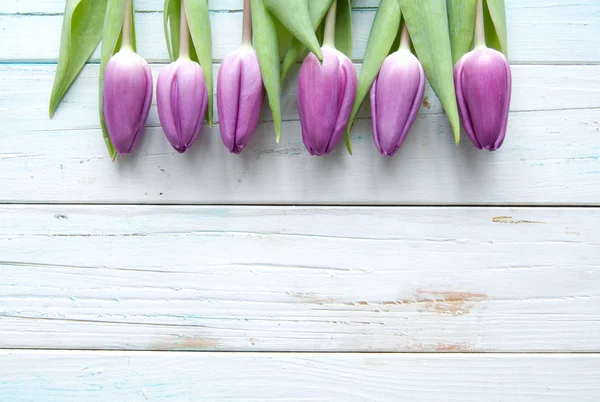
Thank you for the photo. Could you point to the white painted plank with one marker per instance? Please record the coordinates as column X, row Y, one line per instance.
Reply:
column 540, row 31
column 248, row 377
column 25, row 87
column 300, row 279
column 57, row 6
column 550, row 158
column 551, row 154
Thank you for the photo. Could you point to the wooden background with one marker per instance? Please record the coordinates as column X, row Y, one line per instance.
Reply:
column 284, row 269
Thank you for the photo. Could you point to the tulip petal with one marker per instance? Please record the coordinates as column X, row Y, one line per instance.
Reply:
column 398, row 92
column 463, row 108
column 228, row 97
column 251, row 96
column 347, row 92
column 182, row 100
column 113, row 25
column 383, row 33
column 318, row 101
column 484, row 81
column 506, row 108
column 127, row 99
column 374, row 114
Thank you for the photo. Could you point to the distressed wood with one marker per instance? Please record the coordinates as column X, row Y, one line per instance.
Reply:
column 551, row 155
column 25, row 87
column 300, row 279
column 312, row 279
column 540, row 31
column 135, row 376
column 57, row 6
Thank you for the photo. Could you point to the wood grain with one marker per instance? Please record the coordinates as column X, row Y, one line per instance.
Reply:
column 145, row 283
column 540, row 31
column 248, row 377
column 551, row 156
column 300, row 279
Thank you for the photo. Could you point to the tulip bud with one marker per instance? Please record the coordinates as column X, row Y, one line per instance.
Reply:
column 483, row 83
column 240, row 94
column 483, row 89
column 326, row 93
column 325, row 96
column 182, row 100
column 126, row 98
column 396, row 96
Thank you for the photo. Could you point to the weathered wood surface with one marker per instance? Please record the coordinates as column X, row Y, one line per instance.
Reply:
column 540, row 31
column 304, row 279
column 165, row 279
column 250, row 377
column 551, row 156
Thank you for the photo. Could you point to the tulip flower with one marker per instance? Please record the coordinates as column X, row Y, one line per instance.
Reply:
column 326, row 93
column 181, row 95
column 182, row 101
column 240, row 91
column 127, row 93
column 396, row 96
column 483, row 89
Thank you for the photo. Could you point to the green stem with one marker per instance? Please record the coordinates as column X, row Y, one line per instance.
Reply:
column 479, row 26
column 127, row 26
column 329, row 37
column 404, row 38
column 247, row 29
column 184, row 34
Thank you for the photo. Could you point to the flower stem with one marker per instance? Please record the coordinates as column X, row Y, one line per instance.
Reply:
column 247, row 28
column 184, row 34
column 479, row 26
column 329, row 37
column 127, row 32
column 404, row 38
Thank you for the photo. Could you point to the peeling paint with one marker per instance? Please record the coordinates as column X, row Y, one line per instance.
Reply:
column 509, row 219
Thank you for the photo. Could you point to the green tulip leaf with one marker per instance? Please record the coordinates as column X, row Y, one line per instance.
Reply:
column 111, row 38
column 495, row 25
column 383, row 34
column 343, row 27
column 294, row 16
column 427, row 22
column 284, row 38
column 200, row 32
column 267, row 49
column 81, row 33
column 172, row 24
column 317, row 10
column 461, row 21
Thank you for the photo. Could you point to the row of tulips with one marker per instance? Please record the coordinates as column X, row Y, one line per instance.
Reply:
column 327, row 85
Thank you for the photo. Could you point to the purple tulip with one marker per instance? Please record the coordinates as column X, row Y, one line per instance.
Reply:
column 182, row 100
column 127, row 98
column 483, row 89
column 396, row 96
column 240, row 94
column 326, row 94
